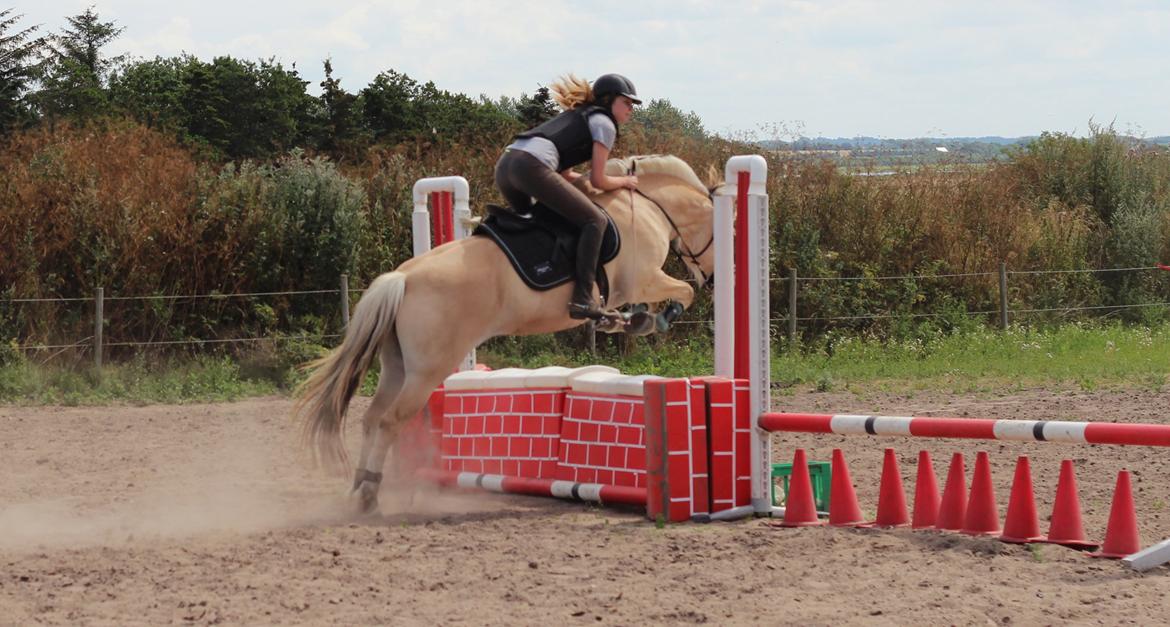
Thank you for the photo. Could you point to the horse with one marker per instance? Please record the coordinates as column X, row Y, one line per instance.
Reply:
column 422, row 318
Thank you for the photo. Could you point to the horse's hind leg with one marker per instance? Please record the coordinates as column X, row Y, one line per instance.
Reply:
column 416, row 390
column 389, row 388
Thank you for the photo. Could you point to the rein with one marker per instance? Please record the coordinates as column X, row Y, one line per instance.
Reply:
column 683, row 255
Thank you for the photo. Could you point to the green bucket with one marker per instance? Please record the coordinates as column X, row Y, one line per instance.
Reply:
column 821, row 475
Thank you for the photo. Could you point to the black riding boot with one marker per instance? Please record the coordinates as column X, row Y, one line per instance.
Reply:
column 588, row 251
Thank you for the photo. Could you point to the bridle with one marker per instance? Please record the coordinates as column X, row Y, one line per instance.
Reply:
column 682, row 250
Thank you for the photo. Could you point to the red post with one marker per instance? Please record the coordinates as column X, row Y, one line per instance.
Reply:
column 442, row 218
column 448, row 217
column 436, row 219
column 742, row 315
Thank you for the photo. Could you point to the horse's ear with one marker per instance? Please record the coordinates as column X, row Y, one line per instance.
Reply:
column 712, row 178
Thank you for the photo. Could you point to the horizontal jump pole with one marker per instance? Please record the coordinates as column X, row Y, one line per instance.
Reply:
column 595, row 492
column 1125, row 434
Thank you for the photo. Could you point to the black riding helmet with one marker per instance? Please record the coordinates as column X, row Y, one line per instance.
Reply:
column 613, row 85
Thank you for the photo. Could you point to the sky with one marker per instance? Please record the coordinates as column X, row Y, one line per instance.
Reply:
column 750, row 69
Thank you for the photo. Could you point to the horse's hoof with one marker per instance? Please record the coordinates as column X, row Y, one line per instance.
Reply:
column 641, row 323
column 366, row 498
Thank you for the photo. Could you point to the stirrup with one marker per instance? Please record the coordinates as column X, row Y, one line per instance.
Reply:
column 589, row 311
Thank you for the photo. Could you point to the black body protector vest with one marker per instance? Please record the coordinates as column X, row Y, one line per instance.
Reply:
column 569, row 132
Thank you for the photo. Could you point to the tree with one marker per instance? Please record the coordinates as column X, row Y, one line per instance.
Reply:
column 395, row 107
column 202, row 102
column 75, row 77
column 240, row 109
column 388, row 106
column 529, row 111
column 342, row 124
column 20, row 60
column 662, row 118
column 151, row 91
column 536, row 109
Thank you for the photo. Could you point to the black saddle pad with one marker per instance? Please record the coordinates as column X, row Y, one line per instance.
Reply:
column 543, row 247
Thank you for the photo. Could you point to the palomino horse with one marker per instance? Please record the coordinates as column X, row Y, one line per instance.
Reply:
column 422, row 318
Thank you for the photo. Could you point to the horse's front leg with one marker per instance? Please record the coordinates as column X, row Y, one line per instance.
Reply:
column 661, row 287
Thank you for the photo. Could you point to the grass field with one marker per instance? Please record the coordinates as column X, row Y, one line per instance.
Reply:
column 1069, row 356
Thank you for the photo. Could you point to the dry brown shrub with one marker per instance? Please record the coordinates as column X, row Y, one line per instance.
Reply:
column 103, row 205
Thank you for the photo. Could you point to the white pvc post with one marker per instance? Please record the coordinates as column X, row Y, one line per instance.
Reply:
column 421, row 221
column 724, row 290
column 462, row 209
column 759, row 340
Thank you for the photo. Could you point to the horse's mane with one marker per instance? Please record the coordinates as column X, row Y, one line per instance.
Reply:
column 669, row 165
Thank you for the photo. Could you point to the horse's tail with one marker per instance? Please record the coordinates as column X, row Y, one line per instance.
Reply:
column 325, row 395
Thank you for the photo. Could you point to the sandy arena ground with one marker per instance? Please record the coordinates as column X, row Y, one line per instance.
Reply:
column 208, row 514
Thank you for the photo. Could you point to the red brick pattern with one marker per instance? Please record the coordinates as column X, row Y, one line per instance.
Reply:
column 728, row 413
column 676, row 443
column 603, row 440
column 743, row 442
column 656, row 443
column 507, row 432
column 689, row 462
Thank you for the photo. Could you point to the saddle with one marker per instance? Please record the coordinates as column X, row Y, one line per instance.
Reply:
column 542, row 246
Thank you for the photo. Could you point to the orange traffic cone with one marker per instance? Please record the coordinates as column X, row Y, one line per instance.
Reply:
column 1121, row 536
column 800, row 509
column 1021, row 524
column 891, row 508
column 1065, row 527
column 953, row 508
column 843, row 509
column 925, row 494
column 982, row 514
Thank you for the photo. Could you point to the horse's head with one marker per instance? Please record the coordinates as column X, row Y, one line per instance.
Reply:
column 686, row 203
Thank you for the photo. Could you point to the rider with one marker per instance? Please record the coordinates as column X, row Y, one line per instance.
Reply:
column 538, row 165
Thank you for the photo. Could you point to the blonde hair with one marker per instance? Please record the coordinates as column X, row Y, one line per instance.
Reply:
column 571, row 91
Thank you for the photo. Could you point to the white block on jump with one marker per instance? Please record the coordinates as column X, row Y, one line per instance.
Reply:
column 1148, row 558
column 584, row 370
column 507, row 378
column 548, row 377
column 467, row 380
column 596, row 382
column 633, row 385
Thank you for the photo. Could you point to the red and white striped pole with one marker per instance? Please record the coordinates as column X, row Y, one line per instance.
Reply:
column 1124, row 434
column 595, row 492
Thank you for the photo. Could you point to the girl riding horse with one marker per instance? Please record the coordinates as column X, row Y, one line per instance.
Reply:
column 538, row 165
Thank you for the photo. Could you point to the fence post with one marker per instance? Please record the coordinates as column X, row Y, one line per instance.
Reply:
column 344, row 302
column 791, row 305
column 98, row 323
column 1003, row 297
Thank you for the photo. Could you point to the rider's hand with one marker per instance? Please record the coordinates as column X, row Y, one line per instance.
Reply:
column 630, row 182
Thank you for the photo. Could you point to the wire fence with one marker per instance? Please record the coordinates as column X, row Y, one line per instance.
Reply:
column 97, row 343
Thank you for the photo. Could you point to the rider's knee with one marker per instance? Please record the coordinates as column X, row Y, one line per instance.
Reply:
column 596, row 221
